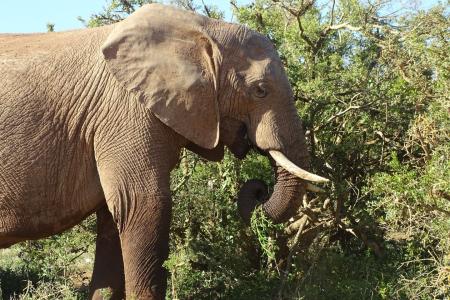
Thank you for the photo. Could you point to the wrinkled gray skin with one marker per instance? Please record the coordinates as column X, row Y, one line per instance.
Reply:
column 94, row 120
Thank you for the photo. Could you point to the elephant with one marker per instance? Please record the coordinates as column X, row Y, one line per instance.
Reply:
column 93, row 121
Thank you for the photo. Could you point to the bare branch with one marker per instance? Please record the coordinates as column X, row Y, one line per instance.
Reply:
column 363, row 237
column 344, row 25
column 332, row 13
column 293, row 250
column 128, row 7
column 303, row 35
column 330, row 119
column 233, row 3
column 207, row 10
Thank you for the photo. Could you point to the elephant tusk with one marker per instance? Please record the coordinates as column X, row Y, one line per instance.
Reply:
column 313, row 188
column 283, row 161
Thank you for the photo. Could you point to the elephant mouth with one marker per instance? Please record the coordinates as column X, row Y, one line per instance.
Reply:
column 242, row 144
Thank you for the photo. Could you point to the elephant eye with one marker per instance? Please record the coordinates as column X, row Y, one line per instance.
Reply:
column 260, row 90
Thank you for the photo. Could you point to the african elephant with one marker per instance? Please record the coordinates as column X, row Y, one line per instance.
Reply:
column 94, row 120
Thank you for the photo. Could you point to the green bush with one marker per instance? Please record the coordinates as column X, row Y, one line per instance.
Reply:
column 372, row 89
column 59, row 265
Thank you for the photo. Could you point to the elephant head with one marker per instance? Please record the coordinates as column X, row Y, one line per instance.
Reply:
column 216, row 84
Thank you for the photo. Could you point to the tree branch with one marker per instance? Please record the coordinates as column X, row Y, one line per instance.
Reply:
column 330, row 119
column 344, row 25
column 207, row 10
column 332, row 13
column 293, row 250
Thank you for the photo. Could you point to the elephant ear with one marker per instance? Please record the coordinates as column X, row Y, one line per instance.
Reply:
column 164, row 56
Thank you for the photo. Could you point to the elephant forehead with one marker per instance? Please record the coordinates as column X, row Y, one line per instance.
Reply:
column 260, row 49
column 268, row 69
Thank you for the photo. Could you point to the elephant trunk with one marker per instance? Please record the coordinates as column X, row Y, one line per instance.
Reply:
column 286, row 197
column 283, row 141
column 282, row 204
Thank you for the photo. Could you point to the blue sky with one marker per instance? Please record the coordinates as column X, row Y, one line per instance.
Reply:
column 33, row 15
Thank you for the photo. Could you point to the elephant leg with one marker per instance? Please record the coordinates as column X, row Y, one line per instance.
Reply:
column 108, row 280
column 144, row 238
column 135, row 178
